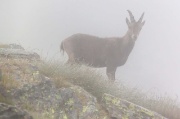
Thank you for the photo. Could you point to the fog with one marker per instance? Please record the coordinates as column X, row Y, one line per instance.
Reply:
column 41, row 25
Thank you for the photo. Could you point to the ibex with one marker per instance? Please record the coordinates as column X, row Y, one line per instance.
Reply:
column 103, row 52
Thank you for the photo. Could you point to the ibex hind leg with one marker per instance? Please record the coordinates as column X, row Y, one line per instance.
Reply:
column 110, row 72
column 71, row 56
column 71, row 59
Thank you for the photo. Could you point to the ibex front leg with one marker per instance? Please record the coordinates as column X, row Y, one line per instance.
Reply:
column 110, row 72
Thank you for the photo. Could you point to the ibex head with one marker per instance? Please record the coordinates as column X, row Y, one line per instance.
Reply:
column 134, row 27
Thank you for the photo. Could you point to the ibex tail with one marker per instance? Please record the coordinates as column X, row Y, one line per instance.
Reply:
column 62, row 48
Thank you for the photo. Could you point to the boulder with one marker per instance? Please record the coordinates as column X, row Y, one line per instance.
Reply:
column 122, row 109
column 41, row 96
column 77, row 104
column 15, row 46
column 11, row 112
column 66, row 103
column 16, row 51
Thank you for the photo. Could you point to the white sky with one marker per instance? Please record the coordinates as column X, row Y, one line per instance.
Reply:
column 41, row 25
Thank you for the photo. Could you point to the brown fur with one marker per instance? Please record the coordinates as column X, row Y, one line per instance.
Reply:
column 102, row 52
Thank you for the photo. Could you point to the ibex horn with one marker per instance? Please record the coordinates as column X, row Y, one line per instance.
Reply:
column 131, row 16
column 140, row 19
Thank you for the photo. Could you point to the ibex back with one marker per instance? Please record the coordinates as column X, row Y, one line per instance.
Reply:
column 103, row 52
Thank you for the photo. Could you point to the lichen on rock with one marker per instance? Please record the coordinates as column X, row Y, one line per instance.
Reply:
column 11, row 112
column 122, row 109
column 78, row 104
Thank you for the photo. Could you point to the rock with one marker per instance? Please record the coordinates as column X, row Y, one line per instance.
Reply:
column 18, row 71
column 15, row 46
column 11, row 46
column 42, row 96
column 77, row 104
column 71, row 103
column 122, row 109
column 18, row 53
column 0, row 74
column 31, row 90
column 11, row 112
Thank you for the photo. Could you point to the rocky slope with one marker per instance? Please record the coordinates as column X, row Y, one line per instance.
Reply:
column 27, row 89
column 11, row 112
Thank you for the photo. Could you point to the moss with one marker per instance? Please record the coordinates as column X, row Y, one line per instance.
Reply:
column 70, row 102
column 131, row 106
column 85, row 108
column 105, row 117
column 116, row 101
column 127, row 109
column 125, row 117
column 147, row 112
column 65, row 116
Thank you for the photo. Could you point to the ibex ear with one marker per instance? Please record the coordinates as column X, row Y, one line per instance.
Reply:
column 127, row 22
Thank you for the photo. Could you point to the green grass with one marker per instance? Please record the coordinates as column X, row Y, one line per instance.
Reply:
column 97, row 84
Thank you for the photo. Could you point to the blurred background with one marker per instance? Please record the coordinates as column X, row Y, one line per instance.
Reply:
column 153, row 65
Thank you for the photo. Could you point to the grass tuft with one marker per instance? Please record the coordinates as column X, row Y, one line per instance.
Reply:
column 8, row 82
